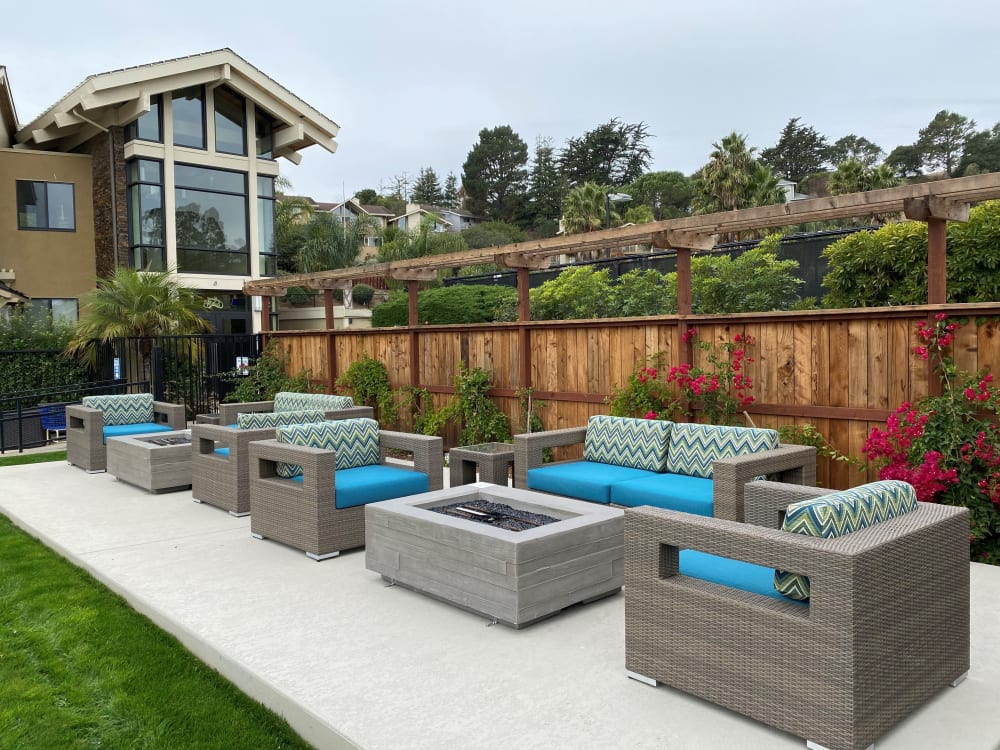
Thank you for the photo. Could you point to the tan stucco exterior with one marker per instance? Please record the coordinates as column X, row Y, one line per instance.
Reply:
column 47, row 263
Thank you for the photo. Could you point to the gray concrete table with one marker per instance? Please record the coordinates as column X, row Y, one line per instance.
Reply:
column 157, row 461
column 492, row 460
column 513, row 577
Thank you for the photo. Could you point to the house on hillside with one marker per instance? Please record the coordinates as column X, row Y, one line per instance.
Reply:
column 169, row 165
column 448, row 219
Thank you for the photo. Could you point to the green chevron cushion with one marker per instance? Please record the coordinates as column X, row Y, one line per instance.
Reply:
column 355, row 442
column 130, row 408
column 838, row 514
column 286, row 401
column 623, row 441
column 260, row 420
column 695, row 447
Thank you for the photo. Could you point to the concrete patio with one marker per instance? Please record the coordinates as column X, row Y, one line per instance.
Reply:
column 353, row 663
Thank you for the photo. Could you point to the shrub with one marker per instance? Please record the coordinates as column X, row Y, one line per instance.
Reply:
column 32, row 355
column 948, row 446
column 451, row 304
column 266, row 377
column 575, row 293
column 362, row 294
column 367, row 381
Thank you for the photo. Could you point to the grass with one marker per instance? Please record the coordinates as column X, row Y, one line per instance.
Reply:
column 80, row 669
column 32, row 458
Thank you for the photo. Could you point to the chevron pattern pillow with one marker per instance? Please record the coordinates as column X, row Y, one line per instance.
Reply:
column 260, row 420
column 287, row 401
column 355, row 442
column 131, row 408
column 623, row 441
column 695, row 447
column 838, row 514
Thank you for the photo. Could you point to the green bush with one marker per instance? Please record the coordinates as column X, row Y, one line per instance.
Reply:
column 367, row 381
column 31, row 355
column 362, row 294
column 266, row 377
column 450, row 304
column 575, row 293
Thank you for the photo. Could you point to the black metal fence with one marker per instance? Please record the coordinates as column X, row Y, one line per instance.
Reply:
column 198, row 371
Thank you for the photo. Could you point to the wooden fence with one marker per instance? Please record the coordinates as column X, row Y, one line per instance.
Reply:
column 843, row 371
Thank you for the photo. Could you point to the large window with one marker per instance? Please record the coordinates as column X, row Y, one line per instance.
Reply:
column 148, row 126
column 45, row 205
column 148, row 250
column 211, row 219
column 230, row 122
column 265, row 134
column 63, row 310
column 265, row 226
column 189, row 117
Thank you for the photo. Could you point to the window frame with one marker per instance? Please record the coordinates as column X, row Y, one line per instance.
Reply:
column 215, row 119
column 246, row 219
column 204, row 118
column 132, row 128
column 129, row 184
column 46, row 228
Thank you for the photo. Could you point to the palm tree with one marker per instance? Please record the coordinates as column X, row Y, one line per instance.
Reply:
column 138, row 304
column 330, row 243
column 853, row 176
column 734, row 179
column 584, row 208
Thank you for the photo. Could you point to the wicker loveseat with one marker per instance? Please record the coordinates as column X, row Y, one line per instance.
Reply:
column 309, row 486
column 220, row 462
column 885, row 625
column 89, row 425
column 694, row 468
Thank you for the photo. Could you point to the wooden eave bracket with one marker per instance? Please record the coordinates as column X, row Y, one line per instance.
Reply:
column 680, row 240
column 522, row 260
column 932, row 207
column 413, row 274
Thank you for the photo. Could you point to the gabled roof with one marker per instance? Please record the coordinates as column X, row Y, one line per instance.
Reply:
column 420, row 210
column 10, row 296
column 8, row 116
column 375, row 210
column 119, row 96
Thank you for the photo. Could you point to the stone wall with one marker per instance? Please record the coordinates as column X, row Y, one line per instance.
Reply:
column 110, row 200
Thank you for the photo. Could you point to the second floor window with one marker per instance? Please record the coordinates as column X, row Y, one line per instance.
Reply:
column 230, row 123
column 189, row 117
column 45, row 205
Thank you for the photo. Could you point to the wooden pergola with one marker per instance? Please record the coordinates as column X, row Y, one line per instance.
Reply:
column 936, row 202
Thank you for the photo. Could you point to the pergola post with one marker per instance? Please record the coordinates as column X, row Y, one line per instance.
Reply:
column 683, row 243
column 328, row 285
column 524, row 265
column 412, row 276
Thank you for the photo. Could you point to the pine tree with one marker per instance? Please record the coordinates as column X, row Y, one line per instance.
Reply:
column 427, row 188
column 450, row 192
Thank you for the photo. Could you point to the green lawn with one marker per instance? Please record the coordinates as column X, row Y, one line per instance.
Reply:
column 80, row 669
column 16, row 459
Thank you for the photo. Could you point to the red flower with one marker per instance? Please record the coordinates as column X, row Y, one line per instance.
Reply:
column 650, row 415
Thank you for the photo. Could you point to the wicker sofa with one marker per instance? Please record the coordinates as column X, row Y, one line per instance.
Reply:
column 90, row 424
column 309, row 486
column 220, row 460
column 693, row 468
column 885, row 626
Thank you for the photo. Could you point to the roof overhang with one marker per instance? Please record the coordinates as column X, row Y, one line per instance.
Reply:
column 8, row 115
column 109, row 99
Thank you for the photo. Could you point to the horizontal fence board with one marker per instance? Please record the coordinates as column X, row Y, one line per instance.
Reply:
column 844, row 371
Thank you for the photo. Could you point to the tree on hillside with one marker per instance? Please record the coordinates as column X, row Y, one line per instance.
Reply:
column 800, row 151
column 614, row 153
column 734, row 179
column 427, row 189
column 492, row 234
column 367, row 197
column 668, row 194
column 327, row 242
column 495, row 175
column 943, row 140
column 546, row 185
column 854, row 147
column 420, row 242
column 450, row 197
column 982, row 153
column 584, row 209
column 905, row 161
column 852, row 176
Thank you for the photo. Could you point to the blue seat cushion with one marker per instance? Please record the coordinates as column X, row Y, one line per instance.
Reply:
column 371, row 484
column 736, row 574
column 124, row 430
column 670, row 491
column 222, row 451
column 585, row 480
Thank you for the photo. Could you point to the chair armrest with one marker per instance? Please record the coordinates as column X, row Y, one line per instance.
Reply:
column 793, row 463
column 351, row 412
column 318, row 467
column 764, row 503
column 529, row 449
column 205, row 436
column 84, row 418
column 175, row 414
column 228, row 412
column 427, row 450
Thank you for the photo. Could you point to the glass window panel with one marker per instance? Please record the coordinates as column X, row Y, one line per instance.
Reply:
column 148, row 124
column 65, row 310
column 189, row 117
column 207, row 261
column 146, row 218
column 268, row 265
column 265, row 225
column 209, row 179
column 265, row 126
column 230, row 122
column 265, row 187
column 146, row 170
column 149, row 258
column 60, row 200
column 32, row 212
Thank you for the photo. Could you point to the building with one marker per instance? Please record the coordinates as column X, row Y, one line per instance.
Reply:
column 378, row 218
column 169, row 165
column 447, row 219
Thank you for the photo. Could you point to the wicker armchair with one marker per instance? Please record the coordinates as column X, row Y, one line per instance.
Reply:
column 85, row 431
column 304, row 514
column 887, row 624
column 788, row 463
column 222, row 477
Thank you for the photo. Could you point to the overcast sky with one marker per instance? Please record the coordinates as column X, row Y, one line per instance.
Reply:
column 411, row 84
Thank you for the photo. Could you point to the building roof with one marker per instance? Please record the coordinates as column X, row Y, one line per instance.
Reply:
column 119, row 96
column 8, row 115
column 376, row 210
column 10, row 296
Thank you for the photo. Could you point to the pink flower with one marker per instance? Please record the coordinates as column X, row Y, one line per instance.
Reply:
column 650, row 415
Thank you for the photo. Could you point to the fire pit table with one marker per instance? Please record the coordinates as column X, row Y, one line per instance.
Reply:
column 512, row 577
column 157, row 462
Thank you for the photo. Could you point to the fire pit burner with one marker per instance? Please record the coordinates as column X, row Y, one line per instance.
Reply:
column 172, row 440
column 495, row 514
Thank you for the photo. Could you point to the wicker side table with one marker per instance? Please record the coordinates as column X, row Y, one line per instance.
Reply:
column 492, row 460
